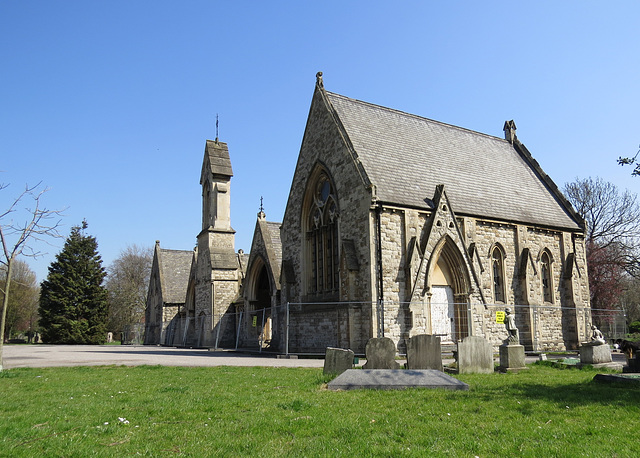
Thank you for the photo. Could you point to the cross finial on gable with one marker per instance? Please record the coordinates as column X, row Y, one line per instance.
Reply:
column 216, row 127
column 261, row 214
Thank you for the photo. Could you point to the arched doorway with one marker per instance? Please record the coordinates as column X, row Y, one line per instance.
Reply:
column 448, row 283
column 259, row 302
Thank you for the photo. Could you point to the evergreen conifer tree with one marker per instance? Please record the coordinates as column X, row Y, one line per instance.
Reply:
column 73, row 302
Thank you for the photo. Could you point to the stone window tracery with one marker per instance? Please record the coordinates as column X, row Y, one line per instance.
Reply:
column 322, row 237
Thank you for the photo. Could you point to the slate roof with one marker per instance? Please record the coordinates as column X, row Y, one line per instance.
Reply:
column 406, row 156
column 218, row 155
column 175, row 268
column 276, row 243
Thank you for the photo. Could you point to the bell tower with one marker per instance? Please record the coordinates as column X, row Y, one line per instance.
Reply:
column 215, row 179
column 217, row 274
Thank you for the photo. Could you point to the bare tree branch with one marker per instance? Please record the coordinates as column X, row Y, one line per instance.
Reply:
column 127, row 283
column 16, row 238
column 612, row 217
column 612, row 222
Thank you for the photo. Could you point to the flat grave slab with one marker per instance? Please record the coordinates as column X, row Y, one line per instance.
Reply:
column 633, row 379
column 394, row 379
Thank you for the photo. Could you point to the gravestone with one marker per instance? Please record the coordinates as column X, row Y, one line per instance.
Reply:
column 381, row 379
column 337, row 360
column 380, row 354
column 595, row 354
column 512, row 357
column 633, row 365
column 475, row 356
column 630, row 379
column 424, row 352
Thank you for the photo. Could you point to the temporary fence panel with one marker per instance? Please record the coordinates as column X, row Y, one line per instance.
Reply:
column 311, row 327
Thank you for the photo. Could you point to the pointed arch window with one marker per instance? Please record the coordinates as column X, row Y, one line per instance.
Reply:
column 545, row 273
column 206, row 205
column 322, row 237
column 497, row 269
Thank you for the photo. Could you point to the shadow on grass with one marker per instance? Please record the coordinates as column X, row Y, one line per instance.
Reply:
column 577, row 388
column 583, row 394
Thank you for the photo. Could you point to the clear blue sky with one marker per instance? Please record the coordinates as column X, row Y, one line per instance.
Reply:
column 109, row 103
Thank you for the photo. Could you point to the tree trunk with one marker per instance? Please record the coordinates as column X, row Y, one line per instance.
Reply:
column 5, row 306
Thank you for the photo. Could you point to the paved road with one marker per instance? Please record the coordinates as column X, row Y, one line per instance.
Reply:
column 134, row 355
column 42, row 355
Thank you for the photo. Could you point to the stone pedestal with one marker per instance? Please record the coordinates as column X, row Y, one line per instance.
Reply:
column 595, row 354
column 512, row 357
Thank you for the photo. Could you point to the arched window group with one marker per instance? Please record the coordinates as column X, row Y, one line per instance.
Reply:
column 497, row 258
column 322, row 237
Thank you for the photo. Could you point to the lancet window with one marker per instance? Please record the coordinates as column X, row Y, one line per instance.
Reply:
column 545, row 271
column 497, row 268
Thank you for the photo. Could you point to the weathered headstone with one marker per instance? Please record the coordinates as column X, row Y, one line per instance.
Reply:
column 595, row 354
column 337, row 360
column 475, row 355
column 424, row 352
column 381, row 354
column 512, row 357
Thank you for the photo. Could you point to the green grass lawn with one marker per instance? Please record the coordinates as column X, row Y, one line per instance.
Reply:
column 228, row 411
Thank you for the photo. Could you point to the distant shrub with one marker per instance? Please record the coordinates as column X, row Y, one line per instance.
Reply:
column 634, row 327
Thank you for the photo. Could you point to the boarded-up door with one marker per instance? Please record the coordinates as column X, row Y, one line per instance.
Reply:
column 442, row 312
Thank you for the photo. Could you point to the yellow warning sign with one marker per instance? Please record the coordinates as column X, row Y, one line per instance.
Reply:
column 255, row 321
column 500, row 317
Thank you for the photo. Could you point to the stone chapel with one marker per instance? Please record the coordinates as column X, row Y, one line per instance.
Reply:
column 396, row 225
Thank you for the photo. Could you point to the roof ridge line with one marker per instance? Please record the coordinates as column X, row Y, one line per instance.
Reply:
column 412, row 115
column 179, row 251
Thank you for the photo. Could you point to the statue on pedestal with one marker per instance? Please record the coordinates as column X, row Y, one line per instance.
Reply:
column 511, row 352
column 510, row 325
column 596, row 337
